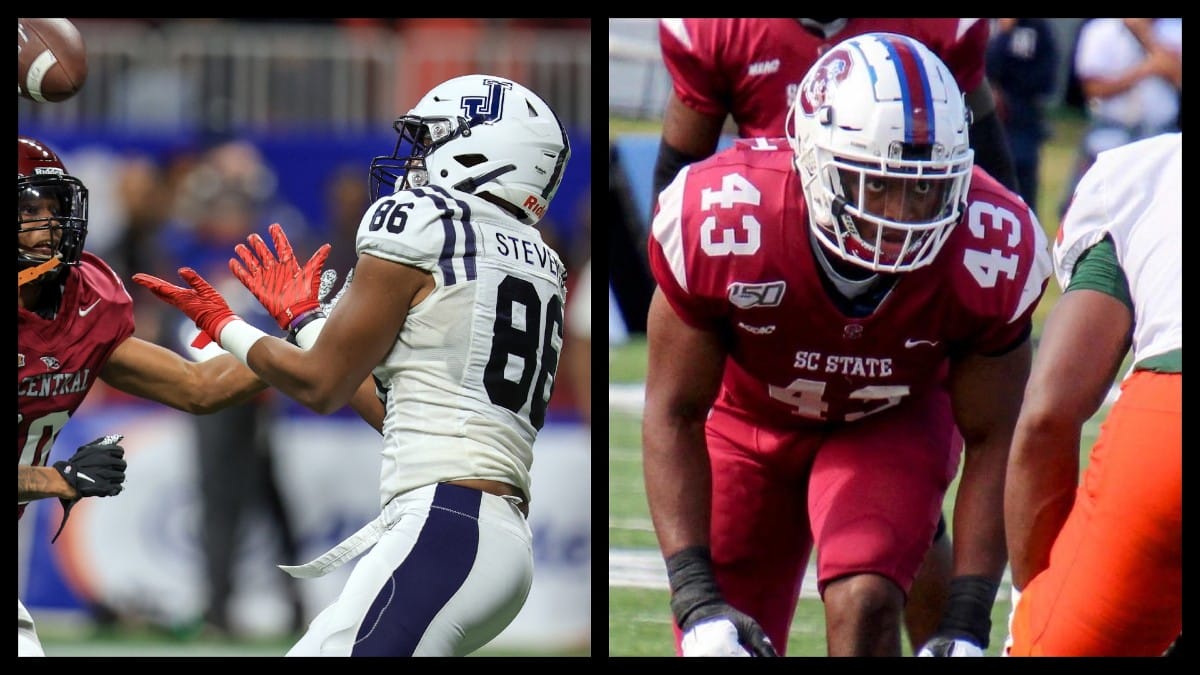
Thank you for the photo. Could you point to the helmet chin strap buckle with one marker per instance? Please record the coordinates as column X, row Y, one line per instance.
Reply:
column 33, row 273
column 838, row 210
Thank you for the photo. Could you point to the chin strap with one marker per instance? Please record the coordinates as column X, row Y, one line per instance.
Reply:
column 27, row 275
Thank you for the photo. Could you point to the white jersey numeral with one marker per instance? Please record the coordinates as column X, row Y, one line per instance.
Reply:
column 40, row 437
column 808, row 398
column 986, row 267
column 714, row 240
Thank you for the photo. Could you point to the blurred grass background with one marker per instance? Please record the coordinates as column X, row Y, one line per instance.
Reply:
column 65, row 639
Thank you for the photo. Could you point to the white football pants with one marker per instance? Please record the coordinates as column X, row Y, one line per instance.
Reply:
column 28, row 643
column 451, row 571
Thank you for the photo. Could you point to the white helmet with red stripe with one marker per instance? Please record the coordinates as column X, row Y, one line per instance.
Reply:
column 879, row 133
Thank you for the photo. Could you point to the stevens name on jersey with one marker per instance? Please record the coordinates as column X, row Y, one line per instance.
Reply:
column 530, row 252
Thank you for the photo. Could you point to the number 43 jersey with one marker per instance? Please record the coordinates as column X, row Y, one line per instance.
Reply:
column 731, row 251
column 473, row 367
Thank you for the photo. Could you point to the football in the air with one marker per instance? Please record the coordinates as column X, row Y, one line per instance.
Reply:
column 51, row 59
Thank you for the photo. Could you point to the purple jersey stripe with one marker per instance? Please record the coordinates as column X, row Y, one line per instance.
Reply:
column 442, row 199
column 469, row 249
column 435, row 569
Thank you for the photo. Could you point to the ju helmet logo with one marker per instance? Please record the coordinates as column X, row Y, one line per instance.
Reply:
column 488, row 108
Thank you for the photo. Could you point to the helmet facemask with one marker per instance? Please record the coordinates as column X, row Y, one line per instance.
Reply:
column 418, row 137
column 878, row 129
column 55, row 204
column 893, row 215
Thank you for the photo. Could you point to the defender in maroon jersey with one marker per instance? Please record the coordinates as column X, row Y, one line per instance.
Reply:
column 748, row 71
column 837, row 312
column 75, row 325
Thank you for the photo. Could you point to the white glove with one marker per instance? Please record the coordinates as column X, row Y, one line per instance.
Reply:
column 325, row 294
column 947, row 646
column 716, row 637
column 1015, row 597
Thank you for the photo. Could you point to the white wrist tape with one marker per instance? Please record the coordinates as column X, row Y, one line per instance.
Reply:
column 307, row 336
column 237, row 337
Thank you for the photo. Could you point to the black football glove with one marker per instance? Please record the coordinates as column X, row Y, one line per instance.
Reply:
column 704, row 616
column 97, row 469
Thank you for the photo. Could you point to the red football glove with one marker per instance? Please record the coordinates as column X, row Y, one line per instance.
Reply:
column 285, row 290
column 202, row 303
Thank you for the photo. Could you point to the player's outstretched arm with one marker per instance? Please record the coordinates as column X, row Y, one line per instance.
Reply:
column 155, row 373
column 346, row 347
column 342, row 348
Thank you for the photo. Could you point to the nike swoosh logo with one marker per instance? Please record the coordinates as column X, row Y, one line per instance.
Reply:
column 910, row 343
column 84, row 312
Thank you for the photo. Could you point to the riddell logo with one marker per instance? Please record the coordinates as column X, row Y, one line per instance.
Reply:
column 535, row 206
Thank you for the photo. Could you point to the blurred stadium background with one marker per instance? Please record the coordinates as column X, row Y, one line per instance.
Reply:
column 285, row 115
column 639, row 614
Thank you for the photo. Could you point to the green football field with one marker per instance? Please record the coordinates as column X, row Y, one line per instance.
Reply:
column 70, row 639
column 639, row 620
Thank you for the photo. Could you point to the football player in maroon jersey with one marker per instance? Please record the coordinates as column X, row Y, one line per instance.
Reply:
column 75, row 324
column 749, row 70
column 838, row 313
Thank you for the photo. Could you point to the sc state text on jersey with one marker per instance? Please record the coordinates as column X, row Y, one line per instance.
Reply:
column 854, row 366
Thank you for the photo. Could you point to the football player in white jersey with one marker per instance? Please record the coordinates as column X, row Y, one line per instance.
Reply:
column 456, row 310
column 1099, row 560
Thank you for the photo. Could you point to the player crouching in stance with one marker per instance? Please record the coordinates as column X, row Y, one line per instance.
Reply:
column 839, row 314
column 456, row 309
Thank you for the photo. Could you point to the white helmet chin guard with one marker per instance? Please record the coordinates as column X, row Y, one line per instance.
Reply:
column 480, row 134
column 879, row 133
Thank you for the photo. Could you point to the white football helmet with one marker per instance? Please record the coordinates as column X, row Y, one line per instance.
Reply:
column 480, row 134
column 879, row 132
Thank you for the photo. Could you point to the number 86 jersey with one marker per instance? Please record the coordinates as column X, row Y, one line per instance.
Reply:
column 472, row 370
column 731, row 251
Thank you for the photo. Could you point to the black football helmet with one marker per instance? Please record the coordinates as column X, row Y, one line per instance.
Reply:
column 41, row 176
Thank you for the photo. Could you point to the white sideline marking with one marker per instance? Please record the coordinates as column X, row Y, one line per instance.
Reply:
column 627, row 398
column 629, row 568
